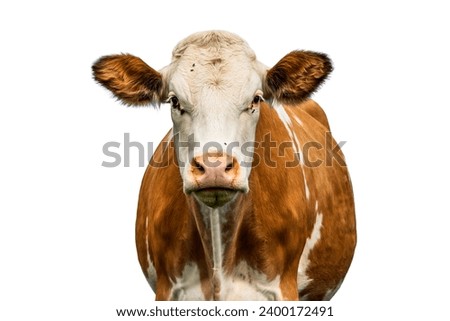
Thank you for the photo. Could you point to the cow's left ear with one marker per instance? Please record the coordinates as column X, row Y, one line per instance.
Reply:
column 297, row 75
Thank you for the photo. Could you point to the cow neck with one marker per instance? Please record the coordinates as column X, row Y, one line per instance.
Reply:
column 217, row 227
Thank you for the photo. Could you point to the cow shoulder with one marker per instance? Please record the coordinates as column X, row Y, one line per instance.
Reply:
column 314, row 110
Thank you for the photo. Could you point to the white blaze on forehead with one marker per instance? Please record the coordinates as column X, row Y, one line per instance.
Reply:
column 302, row 278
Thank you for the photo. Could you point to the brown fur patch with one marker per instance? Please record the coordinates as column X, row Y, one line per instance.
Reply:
column 297, row 75
column 268, row 227
column 129, row 78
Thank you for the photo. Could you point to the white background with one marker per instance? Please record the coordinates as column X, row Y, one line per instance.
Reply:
column 67, row 223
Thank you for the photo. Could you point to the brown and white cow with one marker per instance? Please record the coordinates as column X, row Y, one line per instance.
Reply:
column 248, row 197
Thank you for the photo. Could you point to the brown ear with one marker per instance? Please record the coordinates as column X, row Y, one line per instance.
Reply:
column 297, row 75
column 129, row 78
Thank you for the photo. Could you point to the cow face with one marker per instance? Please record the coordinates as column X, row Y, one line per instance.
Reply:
column 214, row 86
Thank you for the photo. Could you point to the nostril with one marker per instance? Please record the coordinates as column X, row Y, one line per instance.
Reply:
column 199, row 167
column 229, row 167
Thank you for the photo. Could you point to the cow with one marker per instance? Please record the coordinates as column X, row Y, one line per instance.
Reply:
column 248, row 196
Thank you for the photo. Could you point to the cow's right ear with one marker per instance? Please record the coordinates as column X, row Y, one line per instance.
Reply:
column 130, row 79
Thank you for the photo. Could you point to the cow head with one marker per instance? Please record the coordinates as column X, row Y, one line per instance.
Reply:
column 214, row 86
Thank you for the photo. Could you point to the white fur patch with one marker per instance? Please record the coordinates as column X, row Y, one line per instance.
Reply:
column 246, row 283
column 243, row 283
column 187, row 286
column 298, row 120
column 302, row 278
column 151, row 272
column 217, row 250
column 286, row 120
column 307, row 192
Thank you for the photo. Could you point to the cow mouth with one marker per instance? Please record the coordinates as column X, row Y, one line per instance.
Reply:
column 215, row 197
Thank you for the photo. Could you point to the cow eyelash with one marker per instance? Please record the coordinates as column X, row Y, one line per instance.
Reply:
column 175, row 103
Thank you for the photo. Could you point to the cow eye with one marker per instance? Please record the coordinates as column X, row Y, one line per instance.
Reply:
column 175, row 103
column 255, row 103
column 257, row 99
